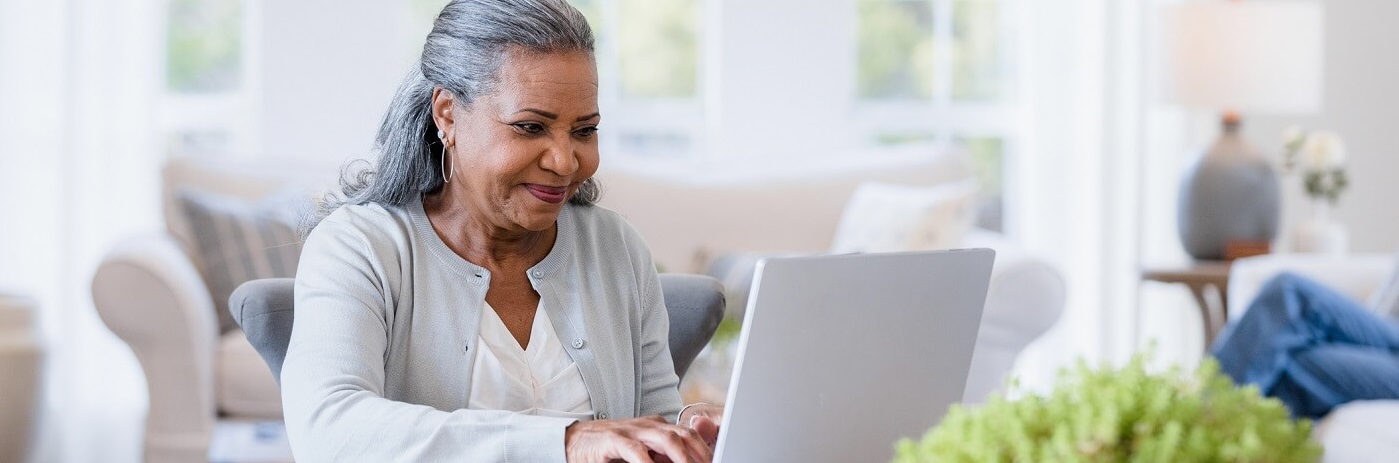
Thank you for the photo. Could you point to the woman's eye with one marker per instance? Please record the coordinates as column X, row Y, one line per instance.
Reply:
column 530, row 127
column 585, row 132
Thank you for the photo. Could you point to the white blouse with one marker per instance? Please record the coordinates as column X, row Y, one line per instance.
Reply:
column 540, row 379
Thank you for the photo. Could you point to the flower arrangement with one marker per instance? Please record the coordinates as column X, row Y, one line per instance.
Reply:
column 1320, row 156
column 1119, row 415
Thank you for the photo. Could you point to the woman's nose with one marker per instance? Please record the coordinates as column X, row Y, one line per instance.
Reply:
column 560, row 158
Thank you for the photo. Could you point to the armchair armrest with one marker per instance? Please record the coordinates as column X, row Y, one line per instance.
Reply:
column 1025, row 299
column 1355, row 275
column 148, row 293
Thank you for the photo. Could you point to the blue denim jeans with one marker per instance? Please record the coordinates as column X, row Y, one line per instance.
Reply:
column 1311, row 347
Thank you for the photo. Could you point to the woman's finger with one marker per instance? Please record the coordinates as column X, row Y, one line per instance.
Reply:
column 707, row 428
column 632, row 451
column 673, row 442
column 693, row 440
column 697, row 442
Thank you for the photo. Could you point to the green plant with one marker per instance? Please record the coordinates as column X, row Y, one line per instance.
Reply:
column 1122, row 415
column 729, row 328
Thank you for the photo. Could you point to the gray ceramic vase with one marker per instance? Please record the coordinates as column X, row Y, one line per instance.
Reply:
column 1230, row 194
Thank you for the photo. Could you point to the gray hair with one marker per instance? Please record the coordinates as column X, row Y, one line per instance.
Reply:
column 463, row 55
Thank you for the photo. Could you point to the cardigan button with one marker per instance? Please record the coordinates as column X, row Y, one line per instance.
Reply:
column 539, row 274
column 601, row 415
column 578, row 343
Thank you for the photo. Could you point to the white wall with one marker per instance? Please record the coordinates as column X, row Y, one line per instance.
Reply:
column 754, row 87
column 329, row 69
column 1362, row 104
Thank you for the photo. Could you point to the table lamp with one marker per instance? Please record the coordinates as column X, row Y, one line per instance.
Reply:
column 1256, row 57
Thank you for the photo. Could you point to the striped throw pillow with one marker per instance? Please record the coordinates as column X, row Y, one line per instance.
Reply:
column 236, row 241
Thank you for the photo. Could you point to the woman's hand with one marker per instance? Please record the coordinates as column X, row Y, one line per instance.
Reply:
column 704, row 419
column 634, row 440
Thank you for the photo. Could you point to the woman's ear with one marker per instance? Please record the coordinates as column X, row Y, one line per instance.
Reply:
column 443, row 104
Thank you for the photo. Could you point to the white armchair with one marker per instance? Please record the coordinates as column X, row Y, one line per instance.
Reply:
column 149, row 292
column 1361, row 431
column 150, row 295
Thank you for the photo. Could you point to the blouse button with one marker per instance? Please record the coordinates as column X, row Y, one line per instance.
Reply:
column 578, row 343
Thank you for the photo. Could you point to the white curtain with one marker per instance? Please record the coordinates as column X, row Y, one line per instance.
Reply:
column 1088, row 190
column 79, row 168
column 1096, row 189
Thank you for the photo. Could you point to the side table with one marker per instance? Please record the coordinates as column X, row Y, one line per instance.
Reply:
column 1201, row 276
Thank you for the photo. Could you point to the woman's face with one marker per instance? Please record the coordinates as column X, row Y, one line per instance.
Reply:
column 521, row 151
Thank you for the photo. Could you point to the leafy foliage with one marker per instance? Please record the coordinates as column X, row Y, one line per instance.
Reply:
column 658, row 44
column 1122, row 415
column 896, row 46
column 204, row 47
column 1327, row 184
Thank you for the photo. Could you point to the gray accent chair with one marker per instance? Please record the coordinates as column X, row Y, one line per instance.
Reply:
column 264, row 309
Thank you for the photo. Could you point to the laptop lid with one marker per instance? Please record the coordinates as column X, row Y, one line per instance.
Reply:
column 841, row 356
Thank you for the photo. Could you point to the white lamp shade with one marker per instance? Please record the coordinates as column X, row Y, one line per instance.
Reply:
column 1248, row 56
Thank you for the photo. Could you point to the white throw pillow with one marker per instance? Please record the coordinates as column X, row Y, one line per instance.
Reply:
column 1386, row 300
column 882, row 217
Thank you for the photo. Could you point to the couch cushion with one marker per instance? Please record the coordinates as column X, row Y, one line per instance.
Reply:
column 1356, row 275
column 1360, row 431
column 235, row 241
column 248, row 179
column 883, row 217
column 691, row 217
column 244, row 386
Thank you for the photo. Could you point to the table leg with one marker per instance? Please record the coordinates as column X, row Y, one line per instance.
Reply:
column 1223, row 305
column 1208, row 315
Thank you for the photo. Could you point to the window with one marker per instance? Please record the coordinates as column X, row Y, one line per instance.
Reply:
column 204, row 46
column 648, row 55
column 649, row 61
column 896, row 49
column 205, row 76
column 928, row 72
column 937, row 72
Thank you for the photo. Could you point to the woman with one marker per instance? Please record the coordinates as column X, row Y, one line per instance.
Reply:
column 1311, row 347
column 466, row 301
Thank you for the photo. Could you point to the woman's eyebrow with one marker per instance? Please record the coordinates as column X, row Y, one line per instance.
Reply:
column 546, row 114
column 552, row 116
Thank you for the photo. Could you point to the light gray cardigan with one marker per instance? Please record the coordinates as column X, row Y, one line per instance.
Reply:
column 379, row 366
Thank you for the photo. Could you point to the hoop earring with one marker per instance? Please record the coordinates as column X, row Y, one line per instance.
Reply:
column 446, row 178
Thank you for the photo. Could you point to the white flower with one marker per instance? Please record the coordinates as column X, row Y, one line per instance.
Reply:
column 1323, row 150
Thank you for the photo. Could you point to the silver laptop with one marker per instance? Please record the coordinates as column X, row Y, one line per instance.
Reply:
column 841, row 356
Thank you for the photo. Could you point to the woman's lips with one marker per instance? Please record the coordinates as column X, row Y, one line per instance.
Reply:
column 548, row 194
